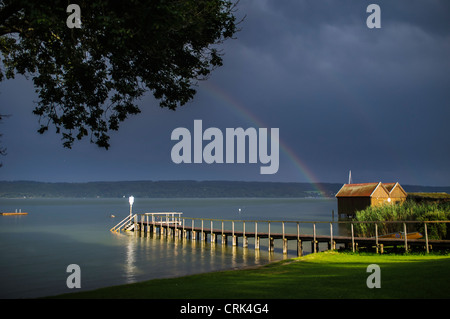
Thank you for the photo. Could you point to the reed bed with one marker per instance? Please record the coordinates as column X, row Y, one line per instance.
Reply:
column 408, row 211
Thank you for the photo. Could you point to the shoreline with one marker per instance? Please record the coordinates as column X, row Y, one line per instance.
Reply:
column 332, row 273
column 228, row 269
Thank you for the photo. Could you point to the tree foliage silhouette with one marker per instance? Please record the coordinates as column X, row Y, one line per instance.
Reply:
column 89, row 79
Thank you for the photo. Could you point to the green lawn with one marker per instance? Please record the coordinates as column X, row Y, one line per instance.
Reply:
column 322, row 275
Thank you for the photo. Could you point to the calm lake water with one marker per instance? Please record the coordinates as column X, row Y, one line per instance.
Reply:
column 36, row 249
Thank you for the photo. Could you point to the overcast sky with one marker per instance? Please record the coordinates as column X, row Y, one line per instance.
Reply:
column 344, row 97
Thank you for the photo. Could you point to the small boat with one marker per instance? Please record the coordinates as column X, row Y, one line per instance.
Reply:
column 112, row 216
column 400, row 235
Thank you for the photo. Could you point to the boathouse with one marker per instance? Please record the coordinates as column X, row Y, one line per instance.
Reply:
column 354, row 197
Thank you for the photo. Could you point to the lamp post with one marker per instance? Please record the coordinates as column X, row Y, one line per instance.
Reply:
column 131, row 201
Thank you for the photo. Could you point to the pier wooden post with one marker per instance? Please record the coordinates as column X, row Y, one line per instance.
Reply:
column 193, row 232
column 144, row 225
column 331, row 247
column 271, row 244
column 313, row 247
column 314, row 243
column 377, row 246
column 235, row 240
column 175, row 228
column 188, row 233
column 270, row 239
column 166, row 233
column 353, row 239
column 244, row 238
column 144, row 228
column 299, row 248
column 256, row 237
column 224, row 237
column 299, row 242
column 406, row 237
column 232, row 228
column 150, row 227
column 203, row 234
column 166, row 229
column 212, row 233
column 285, row 246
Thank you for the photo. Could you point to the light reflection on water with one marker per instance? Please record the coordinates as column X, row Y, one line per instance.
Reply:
column 36, row 249
column 130, row 268
column 177, row 257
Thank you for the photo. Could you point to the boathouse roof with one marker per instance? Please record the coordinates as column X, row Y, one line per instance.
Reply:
column 360, row 190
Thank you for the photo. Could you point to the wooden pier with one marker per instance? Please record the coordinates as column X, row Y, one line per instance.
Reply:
column 200, row 229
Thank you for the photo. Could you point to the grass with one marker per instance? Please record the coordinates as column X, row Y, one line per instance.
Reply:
column 324, row 275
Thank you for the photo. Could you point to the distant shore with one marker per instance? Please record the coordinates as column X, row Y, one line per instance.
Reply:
column 181, row 189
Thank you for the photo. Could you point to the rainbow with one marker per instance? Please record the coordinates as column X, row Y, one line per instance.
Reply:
column 242, row 112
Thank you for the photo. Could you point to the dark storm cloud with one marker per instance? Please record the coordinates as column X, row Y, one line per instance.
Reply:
column 344, row 97
column 349, row 95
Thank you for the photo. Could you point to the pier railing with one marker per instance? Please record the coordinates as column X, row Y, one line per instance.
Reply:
column 123, row 223
column 314, row 232
column 161, row 218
